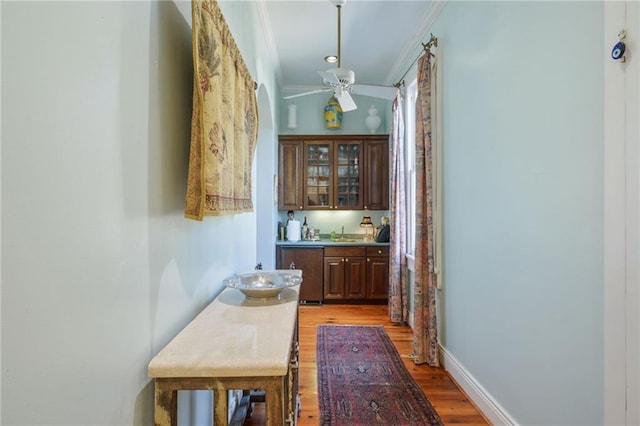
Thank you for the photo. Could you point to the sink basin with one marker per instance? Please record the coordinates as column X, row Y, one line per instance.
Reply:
column 262, row 285
column 344, row 240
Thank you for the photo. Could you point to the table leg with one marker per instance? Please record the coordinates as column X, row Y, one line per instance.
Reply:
column 221, row 407
column 166, row 405
column 274, row 402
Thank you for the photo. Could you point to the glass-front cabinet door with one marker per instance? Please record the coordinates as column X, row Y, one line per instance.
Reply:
column 348, row 182
column 333, row 172
column 317, row 175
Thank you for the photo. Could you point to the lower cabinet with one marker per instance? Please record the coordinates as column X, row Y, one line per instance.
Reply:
column 309, row 260
column 338, row 273
column 377, row 273
column 344, row 273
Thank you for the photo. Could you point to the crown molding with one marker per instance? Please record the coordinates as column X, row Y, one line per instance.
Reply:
column 422, row 33
column 269, row 39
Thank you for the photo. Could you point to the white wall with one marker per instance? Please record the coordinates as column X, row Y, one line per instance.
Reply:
column 523, row 203
column 100, row 269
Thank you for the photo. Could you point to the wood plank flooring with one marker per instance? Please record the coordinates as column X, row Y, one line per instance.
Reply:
column 449, row 401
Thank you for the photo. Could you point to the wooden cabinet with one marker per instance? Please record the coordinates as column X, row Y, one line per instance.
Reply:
column 377, row 272
column 290, row 175
column 338, row 273
column 332, row 175
column 334, row 278
column 310, row 261
column 344, row 273
column 376, row 192
column 327, row 172
column 317, row 175
column 347, row 182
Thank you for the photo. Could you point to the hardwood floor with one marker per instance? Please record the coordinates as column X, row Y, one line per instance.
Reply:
column 451, row 404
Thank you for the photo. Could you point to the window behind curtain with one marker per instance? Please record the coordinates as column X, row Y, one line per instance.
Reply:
column 410, row 150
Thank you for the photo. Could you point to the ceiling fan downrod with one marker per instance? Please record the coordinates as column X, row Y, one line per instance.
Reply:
column 339, row 4
column 339, row 53
column 341, row 81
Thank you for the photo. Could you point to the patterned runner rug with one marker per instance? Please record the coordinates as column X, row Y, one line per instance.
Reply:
column 362, row 380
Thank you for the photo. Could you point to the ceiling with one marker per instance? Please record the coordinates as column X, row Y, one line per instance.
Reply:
column 378, row 38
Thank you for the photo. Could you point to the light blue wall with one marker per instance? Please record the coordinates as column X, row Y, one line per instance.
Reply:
column 99, row 267
column 243, row 20
column 311, row 115
column 310, row 121
column 523, row 203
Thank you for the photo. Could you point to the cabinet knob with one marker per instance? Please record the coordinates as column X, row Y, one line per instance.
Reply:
column 379, row 251
column 368, row 260
column 365, row 207
column 300, row 207
column 343, row 259
column 347, row 260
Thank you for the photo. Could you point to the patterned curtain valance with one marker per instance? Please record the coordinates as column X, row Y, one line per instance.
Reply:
column 224, row 123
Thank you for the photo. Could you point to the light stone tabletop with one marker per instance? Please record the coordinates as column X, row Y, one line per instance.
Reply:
column 233, row 337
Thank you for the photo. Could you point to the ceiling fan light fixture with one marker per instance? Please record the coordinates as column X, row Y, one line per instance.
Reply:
column 342, row 80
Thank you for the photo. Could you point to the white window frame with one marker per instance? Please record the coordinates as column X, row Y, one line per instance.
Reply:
column 410, row 162
column 410, row 150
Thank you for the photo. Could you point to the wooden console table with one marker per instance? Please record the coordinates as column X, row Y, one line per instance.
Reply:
column 235, row 343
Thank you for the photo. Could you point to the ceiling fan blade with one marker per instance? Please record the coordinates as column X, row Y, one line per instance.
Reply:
column 384, row 92
column 297, row 95
column 329, row 77
column 345, row 100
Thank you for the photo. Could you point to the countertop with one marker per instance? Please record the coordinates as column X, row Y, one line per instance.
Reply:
column 233, row 337
column 327, row 242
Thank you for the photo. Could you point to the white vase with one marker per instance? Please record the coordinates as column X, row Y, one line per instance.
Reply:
column 373, row 120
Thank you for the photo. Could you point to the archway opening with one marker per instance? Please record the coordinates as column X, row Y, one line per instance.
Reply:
column 264, row 183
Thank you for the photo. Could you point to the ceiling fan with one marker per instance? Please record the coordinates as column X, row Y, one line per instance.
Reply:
column 342, row 80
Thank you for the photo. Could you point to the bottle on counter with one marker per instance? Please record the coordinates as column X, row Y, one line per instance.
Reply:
column 305, row 229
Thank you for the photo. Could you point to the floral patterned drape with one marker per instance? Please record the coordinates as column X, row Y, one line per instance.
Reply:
column 425, row 341
column 224, row 120
column 398, row 280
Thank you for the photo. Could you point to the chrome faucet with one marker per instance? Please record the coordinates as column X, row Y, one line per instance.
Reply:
column 342, row 232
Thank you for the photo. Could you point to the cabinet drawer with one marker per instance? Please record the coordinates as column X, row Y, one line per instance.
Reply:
column 344, row 251
column 378, row 251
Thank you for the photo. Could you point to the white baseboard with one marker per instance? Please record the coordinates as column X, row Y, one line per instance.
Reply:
column 491, row 409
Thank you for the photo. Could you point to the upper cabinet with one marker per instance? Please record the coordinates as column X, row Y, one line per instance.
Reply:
column 290, row 175
column 325, row 172
column 316, row 172
column 376, row 192
column 332, row 175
